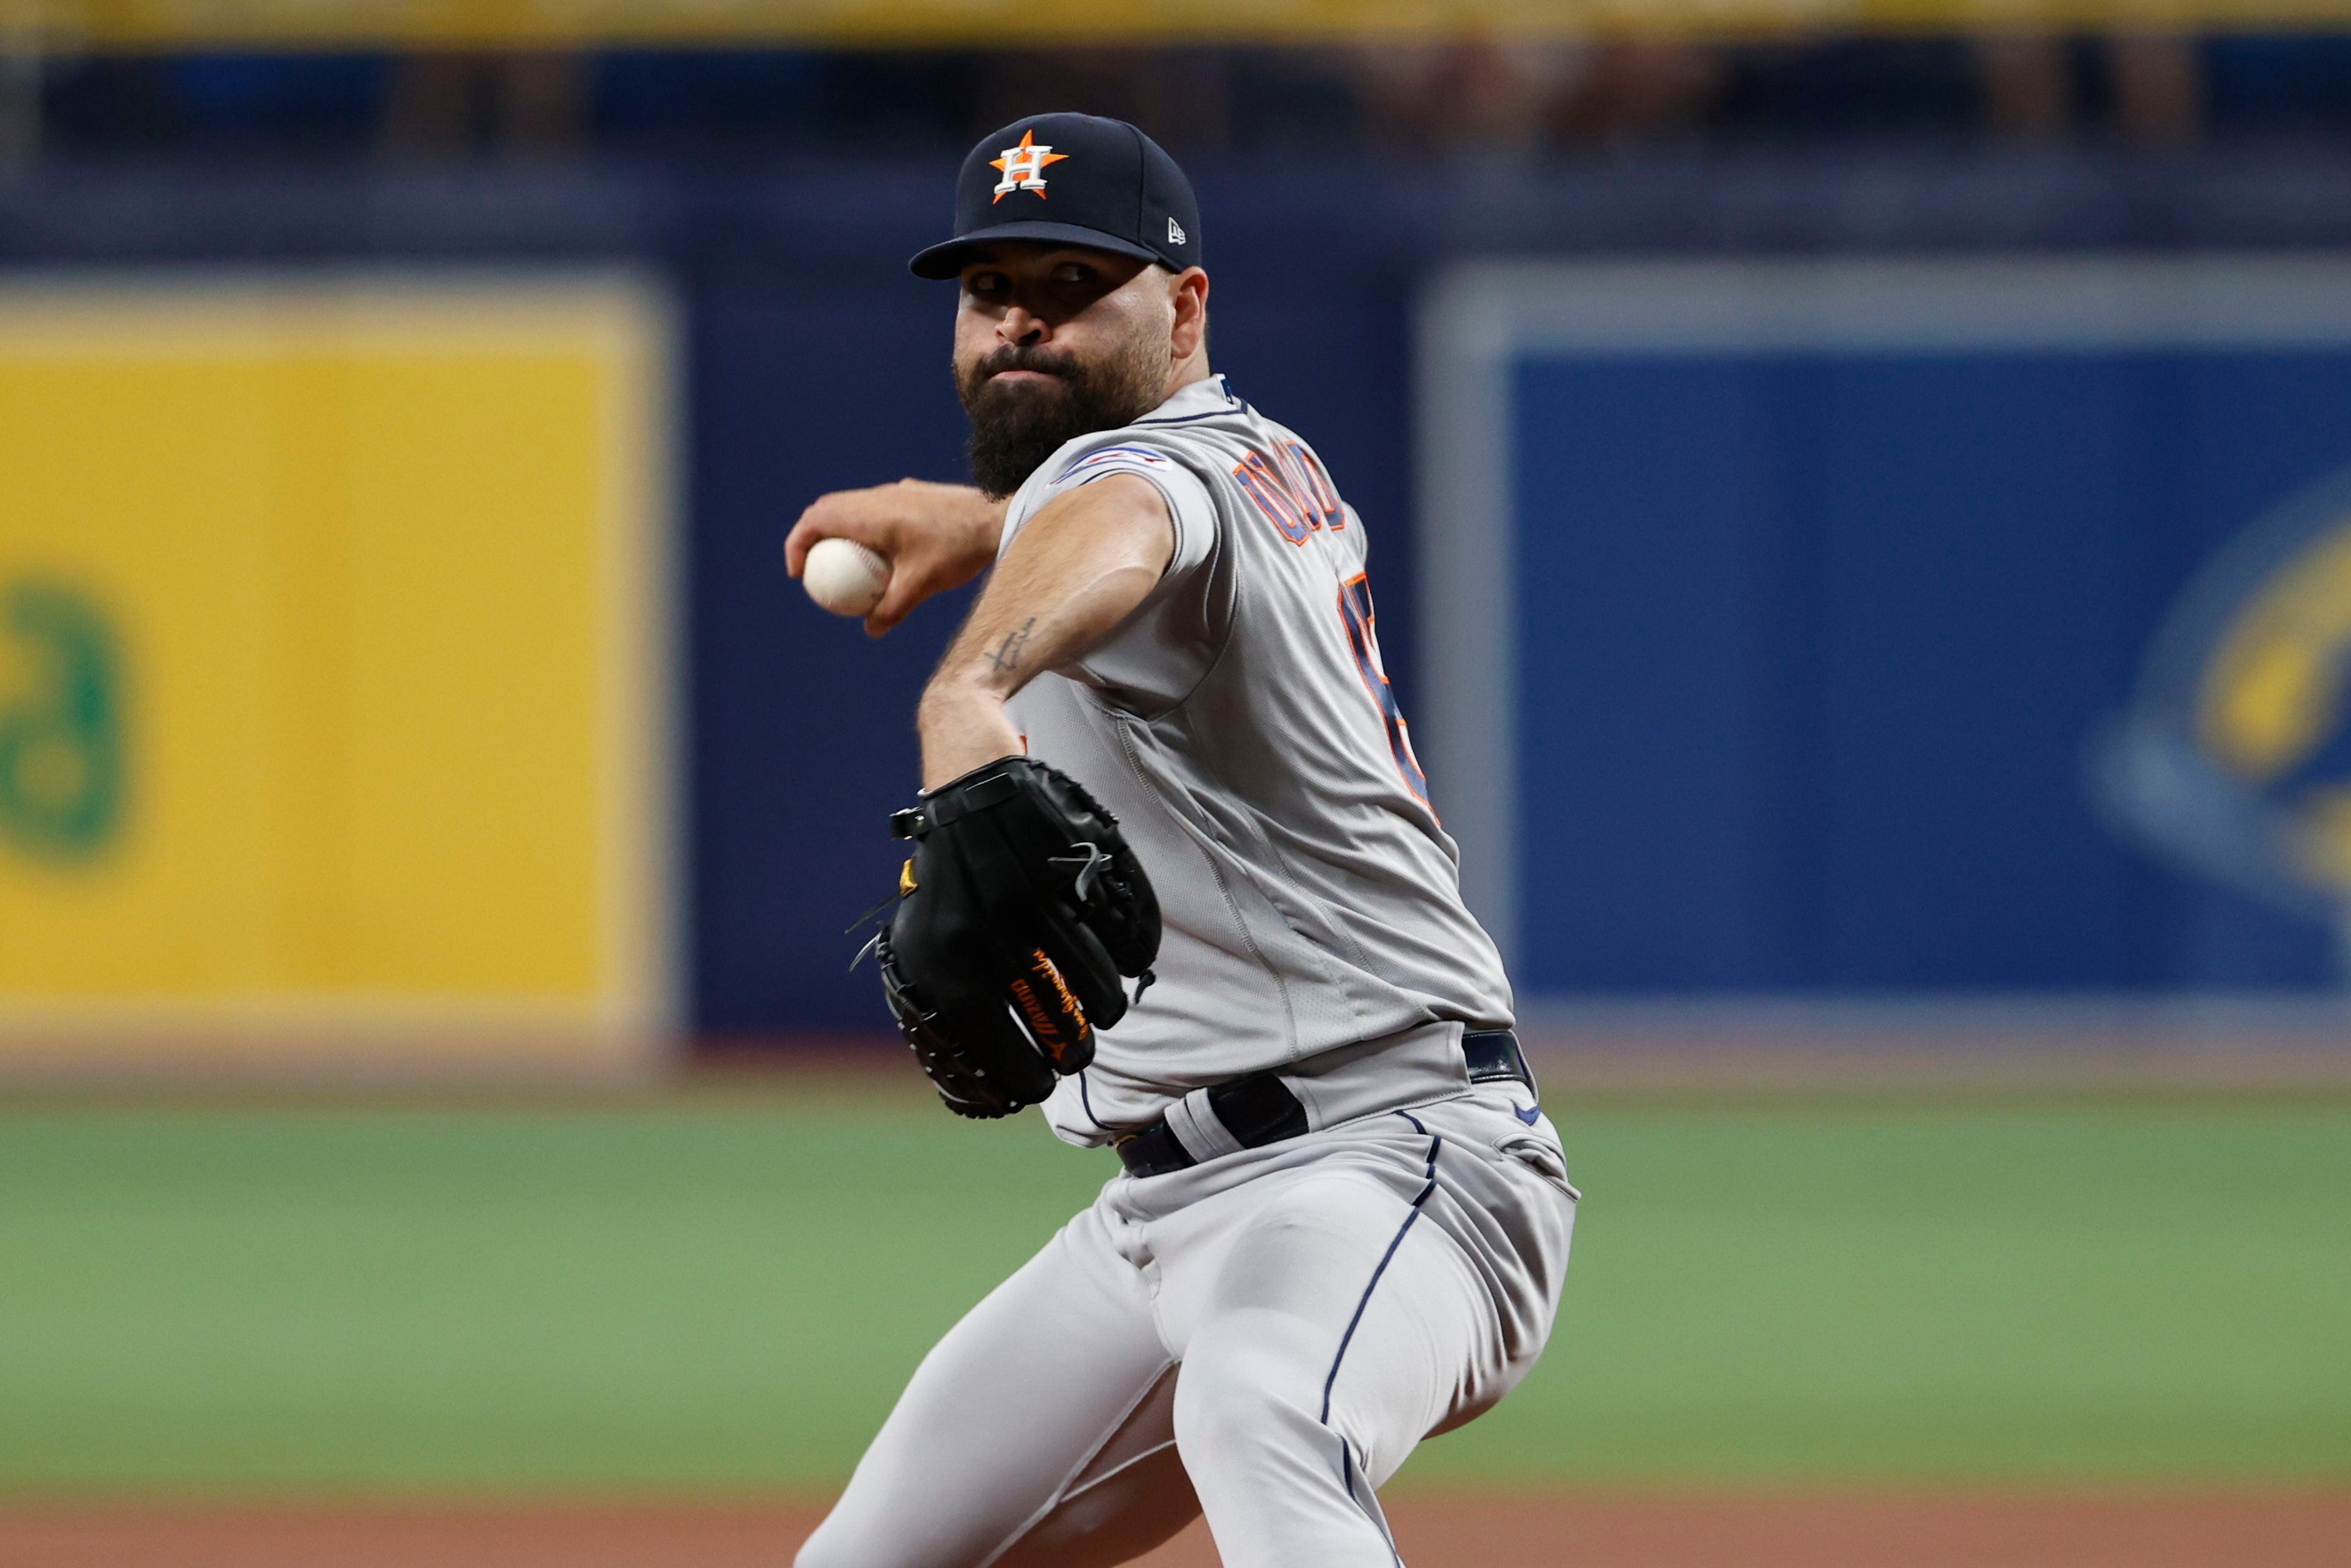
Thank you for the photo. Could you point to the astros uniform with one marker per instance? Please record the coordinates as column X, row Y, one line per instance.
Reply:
column 1266, row 1333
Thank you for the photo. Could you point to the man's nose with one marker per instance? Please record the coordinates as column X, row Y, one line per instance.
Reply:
column 1018, row 326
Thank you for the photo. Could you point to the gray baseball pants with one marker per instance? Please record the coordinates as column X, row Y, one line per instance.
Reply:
column 1263, row 1337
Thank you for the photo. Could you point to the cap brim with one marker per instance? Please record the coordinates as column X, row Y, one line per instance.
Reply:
column 945, row 260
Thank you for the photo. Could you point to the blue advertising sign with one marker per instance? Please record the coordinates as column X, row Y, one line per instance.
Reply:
column 1773, row 614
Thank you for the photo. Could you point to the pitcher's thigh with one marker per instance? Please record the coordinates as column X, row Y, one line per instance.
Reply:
column 1341, row 1326
column 1042, row 1396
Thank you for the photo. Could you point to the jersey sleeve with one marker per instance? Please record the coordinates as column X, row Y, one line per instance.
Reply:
column 1159, row 653
column 1189, row 509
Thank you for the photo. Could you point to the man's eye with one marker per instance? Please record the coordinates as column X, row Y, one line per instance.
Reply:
column 1070, row 272
column 986, row 283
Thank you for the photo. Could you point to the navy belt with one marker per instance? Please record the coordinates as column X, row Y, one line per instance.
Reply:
column 1261, row 1110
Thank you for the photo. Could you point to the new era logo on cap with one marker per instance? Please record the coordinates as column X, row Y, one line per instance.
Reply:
column 1110, row 188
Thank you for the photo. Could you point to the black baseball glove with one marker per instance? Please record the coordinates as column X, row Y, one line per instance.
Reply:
column 1019, row 913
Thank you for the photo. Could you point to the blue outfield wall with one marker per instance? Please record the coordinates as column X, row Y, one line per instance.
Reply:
column 1815, row 648
column 1904, row 808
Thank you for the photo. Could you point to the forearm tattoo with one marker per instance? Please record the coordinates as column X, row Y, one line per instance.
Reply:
column 1007, row 656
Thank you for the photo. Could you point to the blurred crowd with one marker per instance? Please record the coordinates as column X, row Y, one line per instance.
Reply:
column 1498, row 97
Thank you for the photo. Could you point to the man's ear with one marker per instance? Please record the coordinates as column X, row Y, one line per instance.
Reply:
column 1190, row 295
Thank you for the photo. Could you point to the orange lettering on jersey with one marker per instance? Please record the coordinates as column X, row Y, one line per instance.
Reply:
column 1313, row 485
column 1272, row 495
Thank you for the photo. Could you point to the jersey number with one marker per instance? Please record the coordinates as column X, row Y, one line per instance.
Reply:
column 1355, row 611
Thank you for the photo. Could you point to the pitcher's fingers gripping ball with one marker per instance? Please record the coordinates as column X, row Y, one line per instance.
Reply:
column 845, row 577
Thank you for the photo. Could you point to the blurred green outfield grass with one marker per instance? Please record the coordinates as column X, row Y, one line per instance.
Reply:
column 722, row 1293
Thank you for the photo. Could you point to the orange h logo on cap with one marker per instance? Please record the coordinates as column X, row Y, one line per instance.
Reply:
column 1024, row 167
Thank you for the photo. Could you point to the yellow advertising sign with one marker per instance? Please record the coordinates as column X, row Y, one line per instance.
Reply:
column 332, row 675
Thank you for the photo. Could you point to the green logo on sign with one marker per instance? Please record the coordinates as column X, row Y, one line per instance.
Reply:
column 61, row 771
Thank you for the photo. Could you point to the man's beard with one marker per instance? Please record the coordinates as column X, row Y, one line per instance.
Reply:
column 1016, row 427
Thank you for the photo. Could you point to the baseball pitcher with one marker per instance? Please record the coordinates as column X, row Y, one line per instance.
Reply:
column 1173, row 873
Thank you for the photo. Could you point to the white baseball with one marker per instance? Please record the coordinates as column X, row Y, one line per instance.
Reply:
column 845, row 577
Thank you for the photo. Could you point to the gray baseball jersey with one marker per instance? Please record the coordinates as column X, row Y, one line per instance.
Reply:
column 1242, row 729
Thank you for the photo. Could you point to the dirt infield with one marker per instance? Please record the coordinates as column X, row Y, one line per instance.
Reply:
column 2151, row 1530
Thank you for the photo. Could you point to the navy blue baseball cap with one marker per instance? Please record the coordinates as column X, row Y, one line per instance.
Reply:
column 1070, row 178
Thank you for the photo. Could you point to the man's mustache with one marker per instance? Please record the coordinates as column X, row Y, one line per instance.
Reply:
column 1013, row 357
